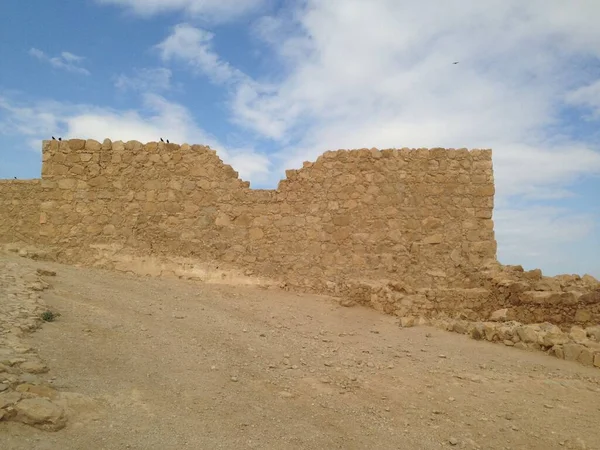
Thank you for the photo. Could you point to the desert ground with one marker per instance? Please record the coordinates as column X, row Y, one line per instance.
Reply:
column 171, row 364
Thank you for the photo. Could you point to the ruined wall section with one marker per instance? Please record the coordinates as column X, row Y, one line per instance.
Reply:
column 422, row 216
column 19, row 211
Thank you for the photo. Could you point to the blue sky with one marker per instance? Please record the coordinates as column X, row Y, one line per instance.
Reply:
column 270, row 84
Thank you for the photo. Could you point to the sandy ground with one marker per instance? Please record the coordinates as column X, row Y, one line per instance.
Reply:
column 175, row 364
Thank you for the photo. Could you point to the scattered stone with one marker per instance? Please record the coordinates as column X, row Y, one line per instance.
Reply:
column 41, row 413
column 3, row 387
column 286, row 394
column 46, row 273
column 453, row 441
column 38, row 390
column 234, row 379
column 477, row 332
column 37, row 286
column 407, row 322
column 178, row 316
column 347, row 303
column 33, row 367
column 9, row 399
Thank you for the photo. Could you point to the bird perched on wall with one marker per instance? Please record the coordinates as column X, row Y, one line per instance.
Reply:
column 161, row 140
column 53, row 138
column 168, row 141
column 15, row 178
column 60, row 139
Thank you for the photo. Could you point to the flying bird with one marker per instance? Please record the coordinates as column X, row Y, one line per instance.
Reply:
column 456, row 62
column 161, row 140
column 53, row 138
column 15, row 178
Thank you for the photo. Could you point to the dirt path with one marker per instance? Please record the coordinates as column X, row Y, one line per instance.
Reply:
column 177, row 364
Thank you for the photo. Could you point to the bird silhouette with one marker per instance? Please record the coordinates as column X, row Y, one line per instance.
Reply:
column 455, row 62
column 53, row 138
column 168, row 141
column 15, row 178
column 60, row 139
column 161, row 140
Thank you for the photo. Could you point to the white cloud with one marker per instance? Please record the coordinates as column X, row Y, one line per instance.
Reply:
column 66, row 61
column 214, row 10
column 379, row 74
column 554, row 238
column 145, row 80
column 587, row 96
column 161, row 118
column 194, row 47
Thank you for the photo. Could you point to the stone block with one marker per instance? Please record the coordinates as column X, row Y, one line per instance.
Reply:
column 583, row 316
column 572, row 351
column 433, row 239
column 586, row 357
column 76, row 144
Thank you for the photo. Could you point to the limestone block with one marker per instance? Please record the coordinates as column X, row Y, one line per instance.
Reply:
column 572, row 351
column 40, row 412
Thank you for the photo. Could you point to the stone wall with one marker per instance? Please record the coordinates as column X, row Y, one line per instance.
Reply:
column 19, row 211
column 407, row 232
column 506, row 291
column 420, row 216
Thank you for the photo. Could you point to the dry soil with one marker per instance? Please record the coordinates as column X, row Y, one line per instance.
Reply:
column 174, row 364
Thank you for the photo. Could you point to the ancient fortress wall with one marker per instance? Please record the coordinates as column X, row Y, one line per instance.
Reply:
column 19, row 210
column 421, row 216
column 407, row 232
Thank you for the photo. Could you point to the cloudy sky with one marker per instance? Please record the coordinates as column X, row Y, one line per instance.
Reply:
column 273, row 83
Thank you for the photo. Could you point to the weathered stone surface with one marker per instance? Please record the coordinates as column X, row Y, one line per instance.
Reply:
column 500, row 315
column 583, row 315
column 407, row 322
column 593, row 332
column 311, row 228
column 586, row 357
column 572, row 351
column 528, row 333
column 33, row 367
column 578, row 334
column 41, row 413
column 419, row 217
column 38, row 390
column 9, row 399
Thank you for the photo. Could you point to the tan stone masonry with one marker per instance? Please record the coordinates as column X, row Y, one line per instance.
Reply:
column 408, row 232
column 421, row 216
